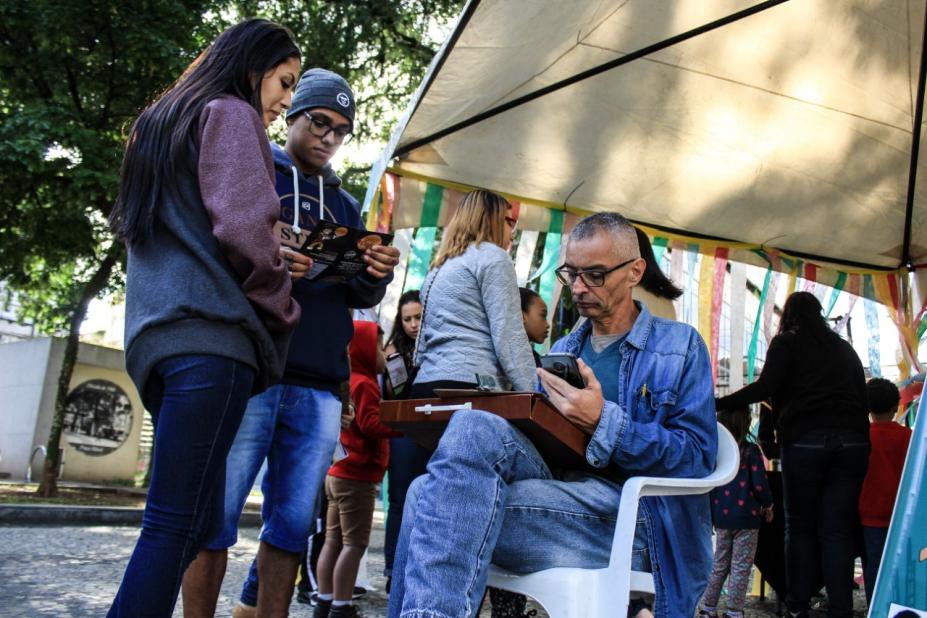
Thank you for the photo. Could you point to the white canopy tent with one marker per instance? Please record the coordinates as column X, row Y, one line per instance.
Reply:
column 784, row 127
column 784, row 124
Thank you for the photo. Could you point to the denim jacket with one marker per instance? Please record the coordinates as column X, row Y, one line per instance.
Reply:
column 663, row 425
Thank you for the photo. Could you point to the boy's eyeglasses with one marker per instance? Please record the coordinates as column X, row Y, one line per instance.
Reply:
column 320, row 128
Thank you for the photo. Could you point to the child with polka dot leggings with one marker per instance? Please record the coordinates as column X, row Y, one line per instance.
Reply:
column 737, row 510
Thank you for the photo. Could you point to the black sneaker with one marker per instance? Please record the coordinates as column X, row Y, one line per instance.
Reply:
column 322, row 609
column 344, row 611
column 305, row 597
column 359, row 591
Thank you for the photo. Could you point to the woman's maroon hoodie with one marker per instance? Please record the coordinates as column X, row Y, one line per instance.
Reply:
column 366, row 439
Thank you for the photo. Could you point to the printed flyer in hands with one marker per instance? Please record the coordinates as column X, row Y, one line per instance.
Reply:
column 337, row 251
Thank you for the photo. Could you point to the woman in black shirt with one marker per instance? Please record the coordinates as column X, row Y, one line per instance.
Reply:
column 817, row 385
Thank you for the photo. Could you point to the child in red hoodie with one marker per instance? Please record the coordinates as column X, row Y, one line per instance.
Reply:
column 351, row 482
column 886, row 462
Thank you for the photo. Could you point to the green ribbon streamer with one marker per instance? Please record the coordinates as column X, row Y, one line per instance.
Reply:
column 754, row 338
column 431, row 205
column 551, row 253
column 838, row 287
column 420, row 258
column 424, row 243
column 659, row 248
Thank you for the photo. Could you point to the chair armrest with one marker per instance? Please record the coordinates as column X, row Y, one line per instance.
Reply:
column 638, row 486
column 658, row 486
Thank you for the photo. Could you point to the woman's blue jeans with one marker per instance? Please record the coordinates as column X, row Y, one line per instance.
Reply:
column 196, row 403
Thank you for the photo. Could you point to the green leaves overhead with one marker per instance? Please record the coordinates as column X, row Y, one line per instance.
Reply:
column 75, row 74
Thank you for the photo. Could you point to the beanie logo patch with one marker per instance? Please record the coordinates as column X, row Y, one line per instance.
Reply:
column 343, row 99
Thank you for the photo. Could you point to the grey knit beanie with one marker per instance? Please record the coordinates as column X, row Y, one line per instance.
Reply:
column 323, row 88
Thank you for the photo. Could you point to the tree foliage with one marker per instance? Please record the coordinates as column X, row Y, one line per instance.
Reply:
column 75, row 74
column 382, row 47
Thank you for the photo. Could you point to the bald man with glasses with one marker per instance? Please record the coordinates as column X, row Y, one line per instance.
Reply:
column 648, row 407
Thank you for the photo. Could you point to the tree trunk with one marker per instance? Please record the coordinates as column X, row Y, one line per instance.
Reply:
column 49, row 485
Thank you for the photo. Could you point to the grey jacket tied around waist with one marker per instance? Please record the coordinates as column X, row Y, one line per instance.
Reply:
column 473, row 322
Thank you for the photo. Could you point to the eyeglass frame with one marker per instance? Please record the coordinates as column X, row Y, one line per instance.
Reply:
column 568, row 277
column 340, row 138
column 512, row 221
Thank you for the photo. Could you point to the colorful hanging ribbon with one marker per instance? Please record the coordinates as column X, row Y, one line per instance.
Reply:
column 717, row 298
column 422, row 248
column 549, row 260
column 835, row 294
column 754, row 338
column 659, row 244
column 872, row 327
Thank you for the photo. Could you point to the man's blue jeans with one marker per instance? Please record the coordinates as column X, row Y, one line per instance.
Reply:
column 488, row 497
column 196, row 404
column 295, row 428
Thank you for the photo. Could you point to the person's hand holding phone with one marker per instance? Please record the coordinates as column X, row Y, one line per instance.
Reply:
column 582, row 406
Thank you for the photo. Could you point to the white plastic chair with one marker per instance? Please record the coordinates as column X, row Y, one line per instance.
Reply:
column 605, row 593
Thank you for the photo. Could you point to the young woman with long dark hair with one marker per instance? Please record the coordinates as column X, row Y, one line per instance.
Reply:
column 817, row 385
column 208, row 307
column 402, row 337
column 407, row 459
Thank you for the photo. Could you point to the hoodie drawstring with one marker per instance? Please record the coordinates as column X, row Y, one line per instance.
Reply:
column 321, row 198
column 296, row 229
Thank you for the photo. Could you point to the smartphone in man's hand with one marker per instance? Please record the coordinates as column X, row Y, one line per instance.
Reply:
column 564, row 367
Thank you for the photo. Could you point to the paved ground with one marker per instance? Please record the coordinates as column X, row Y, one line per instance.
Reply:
column 74, row 571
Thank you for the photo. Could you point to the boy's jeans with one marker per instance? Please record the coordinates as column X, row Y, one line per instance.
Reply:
column 296, row 429
column 488, row 497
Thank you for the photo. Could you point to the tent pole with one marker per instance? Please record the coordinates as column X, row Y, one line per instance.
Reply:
column 915, row 151
column 602, row 68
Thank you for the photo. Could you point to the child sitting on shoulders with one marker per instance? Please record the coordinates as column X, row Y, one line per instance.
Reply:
column 737, row 510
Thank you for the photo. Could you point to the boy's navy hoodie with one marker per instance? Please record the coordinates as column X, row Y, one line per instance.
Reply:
column 318, row 356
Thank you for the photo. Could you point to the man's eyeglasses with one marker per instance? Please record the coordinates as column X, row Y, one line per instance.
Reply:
column 592, row 278
column 320, row 128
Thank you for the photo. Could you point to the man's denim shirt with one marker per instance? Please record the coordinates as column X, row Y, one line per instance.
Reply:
column 663, row 425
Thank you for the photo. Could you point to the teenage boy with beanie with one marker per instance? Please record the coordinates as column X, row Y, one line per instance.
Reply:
column 295, row 424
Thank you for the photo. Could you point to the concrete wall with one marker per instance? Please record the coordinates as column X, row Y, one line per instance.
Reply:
column 23, row 368
column 98, row 363
column 28, row 382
